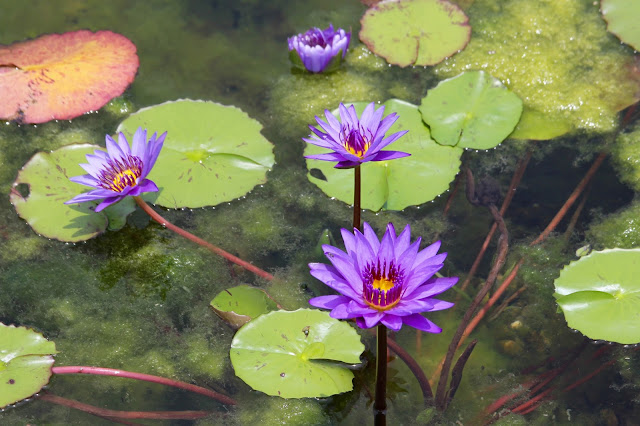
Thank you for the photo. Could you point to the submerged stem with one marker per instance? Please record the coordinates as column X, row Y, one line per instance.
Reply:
column 380, row 404
column 217, row 250
column 100, row 371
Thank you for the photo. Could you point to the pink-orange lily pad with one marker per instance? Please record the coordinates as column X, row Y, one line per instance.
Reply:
column 62, row 76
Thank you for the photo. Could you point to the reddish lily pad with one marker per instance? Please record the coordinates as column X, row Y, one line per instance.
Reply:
column 415, row 32
column 25, row 363
column 62, row 76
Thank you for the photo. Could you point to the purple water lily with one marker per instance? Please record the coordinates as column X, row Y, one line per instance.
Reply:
column 121, row 171
column 389, row 281
column 355, row 140
column 317, row 48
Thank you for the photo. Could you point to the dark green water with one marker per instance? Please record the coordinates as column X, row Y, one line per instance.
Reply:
column 138, row 299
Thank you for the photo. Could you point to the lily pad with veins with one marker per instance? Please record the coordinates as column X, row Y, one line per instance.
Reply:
column 213, row 153
column 415, row 32
column 26, row 358
column 296, row 354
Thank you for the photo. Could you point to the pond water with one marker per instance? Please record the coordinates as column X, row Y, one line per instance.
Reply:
column 138, row 299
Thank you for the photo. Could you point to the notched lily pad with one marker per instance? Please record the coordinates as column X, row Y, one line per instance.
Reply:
column 600, row 295
column 471, row 110
column 213, row 153
column 62, row 76
column 622, row 20
column 291, row 354
column 47, row 177
column 241, row 304
column 415, row 32
column 25, row 363
column 394, row 184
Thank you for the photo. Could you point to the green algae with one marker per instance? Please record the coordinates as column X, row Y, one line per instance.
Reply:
column 557, row 56
column 276, row 411
column 626, row 157
column 620, row 229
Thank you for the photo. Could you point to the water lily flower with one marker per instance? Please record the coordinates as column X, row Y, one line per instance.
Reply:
column 121, row 171
column 390, row 281
column 355, row 140
column 315, row 49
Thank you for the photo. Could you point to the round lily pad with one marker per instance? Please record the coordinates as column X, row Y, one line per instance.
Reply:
column 25, row 363
column 622, row 20
column 241, row 304
column 213, row 153
column 394, row 184
column 62, row 76
column 47, row 177
column 600, row 295
column 471, row 110
column 289, row 354
column 415, row 32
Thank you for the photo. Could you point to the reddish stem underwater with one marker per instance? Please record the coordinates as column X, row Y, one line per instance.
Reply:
column 217, row 250
column 100, row 371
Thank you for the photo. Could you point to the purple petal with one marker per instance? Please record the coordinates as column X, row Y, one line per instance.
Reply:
column 349, row 240
column 439, row 285
column 329, row 156
column 372, row 319
column 107, row 202
column 388, row 155
column 332, row 279
column 139, row 143
column 145, row 186
column 328, row 302
column 379, row 145
column 392, row 322
column 113, row 148
column 428, row 252
column 96, row 194
column 153, row 154
column 371, row 237
column 87, row 180
column 419, row 322
column 347, row 164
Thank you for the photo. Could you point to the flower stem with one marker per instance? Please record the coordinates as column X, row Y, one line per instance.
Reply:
column 356, row 198
column 145, row 377
column 380, row 404
column 113, row 415
column 217, row 250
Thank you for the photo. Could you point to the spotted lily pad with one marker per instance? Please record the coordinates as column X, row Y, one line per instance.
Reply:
column 25, row 363
column 472, row 110
column 394, row 184
column 622, row 20
column 241, row 304
column 415, row 32
column 600, row 295
column 46, row 176
column 290, row 354
column 212, row 154
column 62, row 76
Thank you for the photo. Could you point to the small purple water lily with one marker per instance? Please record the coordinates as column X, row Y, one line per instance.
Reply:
column 121, row 171
column 317, row 48
column 355, row 140
column 389, row 281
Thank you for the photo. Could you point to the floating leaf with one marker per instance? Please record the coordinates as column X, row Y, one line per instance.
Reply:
column 600, row 295
column 213, row 153
column 472, row 110
column 622, row 20
column 47, row 177
column 415, row 32
column 535, row 125
column 25, row 363
column 394, row 184
column 62, row 76
column 241, row 304
column 288, row 354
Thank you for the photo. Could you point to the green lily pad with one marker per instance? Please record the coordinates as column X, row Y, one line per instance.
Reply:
column 394, row 184
column 535, row 125
column 289, row 354
column 600, row 295
column 25, row 363
column 47, row 177
column 471, row 110
column 415, row 32
column 212, row 154
column 241, row 304
column 622, row 20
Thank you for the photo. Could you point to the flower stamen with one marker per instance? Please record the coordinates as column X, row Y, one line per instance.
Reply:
column 356, row 141
column 382, row 285
column 120, row 174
